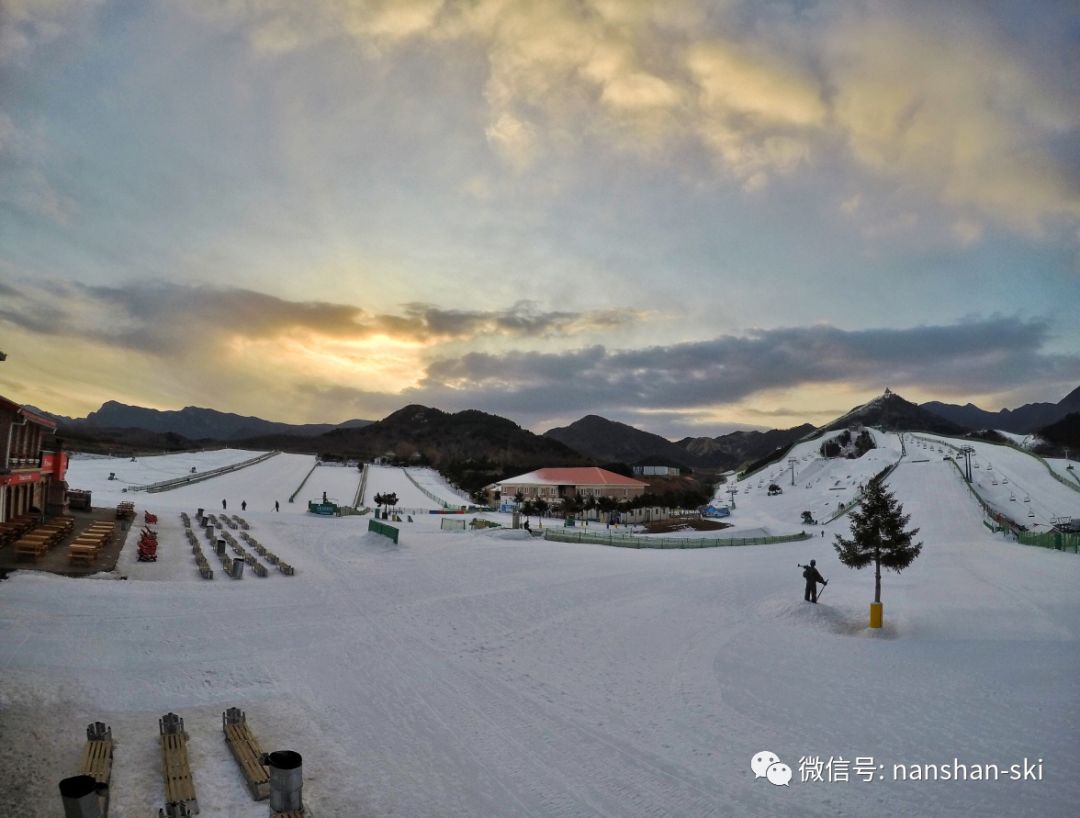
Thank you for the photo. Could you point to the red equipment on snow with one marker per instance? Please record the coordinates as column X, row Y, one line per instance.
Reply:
column 151, row 519
column 148, row 544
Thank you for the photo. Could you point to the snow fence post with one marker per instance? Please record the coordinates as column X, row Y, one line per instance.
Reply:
column 286, row 780
column 877, row 614
column 79, row 794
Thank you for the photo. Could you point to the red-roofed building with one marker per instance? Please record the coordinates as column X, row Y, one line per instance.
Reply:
column 556, row 484
column 32, row 464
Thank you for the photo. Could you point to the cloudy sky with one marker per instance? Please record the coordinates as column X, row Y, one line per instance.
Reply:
column 689, row 216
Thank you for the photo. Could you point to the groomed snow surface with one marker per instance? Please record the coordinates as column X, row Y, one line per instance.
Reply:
column 489, row 674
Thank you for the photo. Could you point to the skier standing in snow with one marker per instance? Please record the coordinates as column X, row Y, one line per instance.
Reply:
column 812, row 577
column 224, row 505
column 277, row 507
column 243, row 505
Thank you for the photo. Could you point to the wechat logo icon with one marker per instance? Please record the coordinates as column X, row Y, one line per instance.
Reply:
column 768, row 765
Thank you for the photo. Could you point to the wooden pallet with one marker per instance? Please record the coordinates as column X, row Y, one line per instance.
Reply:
column 245, row 749
column 179, row 782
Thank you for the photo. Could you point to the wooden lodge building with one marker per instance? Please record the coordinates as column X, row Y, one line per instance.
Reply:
column 32, row 463
column 556, row 484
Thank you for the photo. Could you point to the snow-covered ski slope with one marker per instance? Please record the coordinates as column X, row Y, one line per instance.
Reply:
column 1010, row 480
column 92, row 471
column 435, row 483
column 395, row 480
column 467, row 674
column 1061, row 468
column 259, row 485
column 820, row 485
column 339, row 482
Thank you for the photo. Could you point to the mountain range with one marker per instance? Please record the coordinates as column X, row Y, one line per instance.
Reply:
column 476, row 446
column 193, row 422
column 1023, row 420
column 612, row 442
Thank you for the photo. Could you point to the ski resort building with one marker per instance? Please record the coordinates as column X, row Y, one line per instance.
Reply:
column 653, row 470
column 556, row 484
column 32, row 465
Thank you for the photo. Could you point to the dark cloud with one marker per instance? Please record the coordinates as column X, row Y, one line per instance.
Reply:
column 973, row 356
column 523, row 319
column 163, row 319
column 39, row 315
column 160, row 317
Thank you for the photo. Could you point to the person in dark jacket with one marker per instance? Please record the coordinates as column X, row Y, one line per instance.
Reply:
column 812, row 577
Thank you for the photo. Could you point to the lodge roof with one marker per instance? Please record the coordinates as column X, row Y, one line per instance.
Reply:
column 574, row 476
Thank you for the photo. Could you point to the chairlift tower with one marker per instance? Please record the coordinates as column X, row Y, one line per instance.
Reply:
column 791, row 462
column 733, row 491
column 967, row 452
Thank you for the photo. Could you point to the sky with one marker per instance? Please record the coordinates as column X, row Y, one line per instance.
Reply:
column 687, row 216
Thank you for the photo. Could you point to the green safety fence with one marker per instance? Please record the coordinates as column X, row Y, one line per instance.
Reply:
column 384, row 529
column 629, row 541
column 1058, row 540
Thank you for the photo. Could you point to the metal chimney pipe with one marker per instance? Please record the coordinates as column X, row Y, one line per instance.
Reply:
column 79, row 794
column 286, row 780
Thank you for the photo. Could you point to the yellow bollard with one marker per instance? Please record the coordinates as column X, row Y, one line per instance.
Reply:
column 877, row 610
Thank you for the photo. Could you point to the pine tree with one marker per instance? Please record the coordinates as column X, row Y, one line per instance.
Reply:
column 878, row 535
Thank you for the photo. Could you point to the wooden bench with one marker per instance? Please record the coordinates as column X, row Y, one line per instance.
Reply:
column 101, row 536
column 97, row 756
column 30, row 548
column 83, row 553
column 47, row 537
column 175, row 768
column 245, row 749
